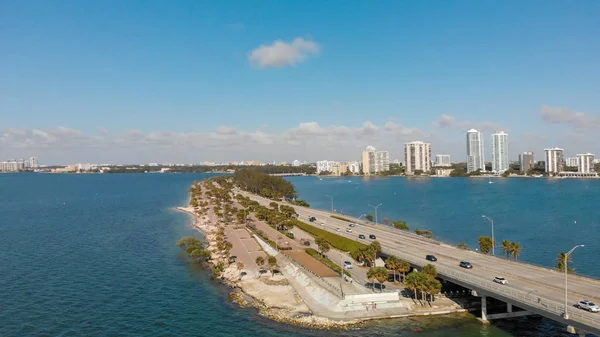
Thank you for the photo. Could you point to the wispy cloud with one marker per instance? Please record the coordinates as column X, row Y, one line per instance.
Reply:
column 450, row 122
column 281, row 53
column 566, row 116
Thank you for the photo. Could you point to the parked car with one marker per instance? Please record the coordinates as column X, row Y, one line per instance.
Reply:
column 337, row 229
column 361, row 236
column 466, row 265
column 372, row 237
column 352, row 224
column 501, row 280
column 431, row 258
column 312, row 218
column 347, row 265
column 349, row 230
column 588, row 305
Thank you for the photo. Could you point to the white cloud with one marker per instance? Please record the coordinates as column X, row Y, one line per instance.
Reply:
column 450, row 122
column 281, row 53
column 306, row 141
column 565, row 116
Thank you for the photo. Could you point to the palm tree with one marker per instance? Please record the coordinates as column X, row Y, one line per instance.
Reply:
column 506, row 248
column 516, row 249
column 433, row 286
column 462, row 246
column 240, row 266
column 260, row 261
column 430, row 270
column 272, row 264
column 393, row 263
column 560, row 265
column 485, row 244
column 378, row 273
column 404, row 267
column 322, row 244
column 416, row 281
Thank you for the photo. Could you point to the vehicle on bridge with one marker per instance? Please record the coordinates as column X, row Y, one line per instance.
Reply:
column 347, row 265
column 431, row 258
column 312, row 218
column 588, row 305
column 501, row 280
column 349, row 230
column 466, row 265
column 352, row 224
column 372, row 237
column 361, row 236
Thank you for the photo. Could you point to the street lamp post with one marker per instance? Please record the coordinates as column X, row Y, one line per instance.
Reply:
column 493, row 240
column 331, row 202
column 342, row 271
column 566, row 276
column 375, row 208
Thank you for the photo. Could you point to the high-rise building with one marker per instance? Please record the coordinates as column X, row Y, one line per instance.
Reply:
column 585, row 163
column 325, row 166
column 474, row 151
column 442, row 160
column 33, row 163
column 499, row 152
column 374, row 161
column 571, row 162
column 417, row 156
column 12, row 166
column 526, row 161
column 554, row 160
column 353, row 167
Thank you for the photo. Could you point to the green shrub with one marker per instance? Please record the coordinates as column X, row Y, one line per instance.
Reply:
column 336, row 241
column 326, row 261
column 340, row 218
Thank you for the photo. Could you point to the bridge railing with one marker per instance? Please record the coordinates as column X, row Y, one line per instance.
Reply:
column 543, row 304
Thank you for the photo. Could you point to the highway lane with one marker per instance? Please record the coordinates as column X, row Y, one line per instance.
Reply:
column 543, row 283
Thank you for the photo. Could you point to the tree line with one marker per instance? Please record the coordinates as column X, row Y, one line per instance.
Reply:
column 264, row 185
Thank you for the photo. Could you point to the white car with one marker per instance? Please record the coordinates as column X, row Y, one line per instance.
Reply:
column 500, row 280
column 349, row 230
column 323, row 224
column 337, row 229
column 347, row 265
column 352, row 224
column 588, row 305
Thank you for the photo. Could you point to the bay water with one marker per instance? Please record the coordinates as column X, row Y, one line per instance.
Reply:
column 95, row 255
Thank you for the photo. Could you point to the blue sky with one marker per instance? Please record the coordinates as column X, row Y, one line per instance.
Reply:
column 176, row 81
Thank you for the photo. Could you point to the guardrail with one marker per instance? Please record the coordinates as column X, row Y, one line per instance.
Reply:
column 545, row 305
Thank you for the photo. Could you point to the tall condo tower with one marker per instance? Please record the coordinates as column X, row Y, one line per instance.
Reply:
column 474, row 151
column 499, row 152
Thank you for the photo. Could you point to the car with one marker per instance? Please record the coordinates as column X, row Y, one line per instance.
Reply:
column 337, row 229
column 361, row 236
column 312, row 218
column 372, row 237
column 500, row 279
column 323, row 224
column 349, row 230
column 466, row 264
column 431, row 258
column 347, row 265
column 588, row 305
column 352, row 224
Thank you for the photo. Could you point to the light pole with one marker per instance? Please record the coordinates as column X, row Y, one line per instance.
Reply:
column 342, row 271
column 331, row 202
column 493, row 240
column 566, row 276
column 375, row 208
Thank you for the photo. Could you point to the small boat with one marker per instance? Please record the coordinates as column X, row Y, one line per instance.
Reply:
column 490, row 181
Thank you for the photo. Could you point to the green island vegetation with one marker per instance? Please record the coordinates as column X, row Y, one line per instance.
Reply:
column 194, row 248
column 264, row 185
column 326, row 261
column 340, row 218
column 424, row 232
column 398, row 224
column 462, row 246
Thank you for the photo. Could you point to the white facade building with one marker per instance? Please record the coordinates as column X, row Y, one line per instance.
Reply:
column 382, row 161
column 12, row 166
column 325, row 166
column 499, row 152
column 474, row 151
column 554, row 160
column 585, row 163
column 296, row 163
column 33, row 163
column 374, row 161
column 442, row 160
column 417, row 156
column 354, row 167
column 571, row 162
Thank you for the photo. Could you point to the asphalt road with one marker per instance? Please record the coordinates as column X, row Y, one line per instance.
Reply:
column 544, row 283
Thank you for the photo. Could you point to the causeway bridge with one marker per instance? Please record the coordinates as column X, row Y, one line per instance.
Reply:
column 531, row 289
column 301, row 174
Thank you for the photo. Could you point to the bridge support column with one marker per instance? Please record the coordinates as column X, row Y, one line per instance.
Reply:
column 484, row 318
column 508, row 307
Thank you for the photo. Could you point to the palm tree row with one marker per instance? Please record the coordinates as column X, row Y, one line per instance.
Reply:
column 424, row 282
column 512, row 249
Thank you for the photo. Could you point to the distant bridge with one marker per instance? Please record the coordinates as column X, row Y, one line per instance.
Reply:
column 287, row 174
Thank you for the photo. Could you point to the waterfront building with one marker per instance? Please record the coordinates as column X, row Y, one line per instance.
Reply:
column 499, row 152
column 296, row 163
column 443, row 172
column 554, row 160
column 354, row 167
column 442, row 160
column 571, row 162
column 526, row 162
column 325, row 166
column 374, row 161
column 585, row 163
column 338, row 169
column 12, row 166
column 474, row 151
column 417, row 156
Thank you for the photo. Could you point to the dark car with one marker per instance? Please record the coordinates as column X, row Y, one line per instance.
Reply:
column 361, row 236
column 312, row 219
column 466, row 264
column 431, row 258
column 372, row 237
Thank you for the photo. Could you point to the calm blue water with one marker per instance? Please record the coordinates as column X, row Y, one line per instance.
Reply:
column 95, row 255
column 545, row 216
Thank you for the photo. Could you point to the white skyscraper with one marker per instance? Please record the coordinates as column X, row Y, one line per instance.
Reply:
column 474, row 151
column 417, row 156
column 554, row 160
column 499, row 152
column 585, row 163
column 33, row 162
column 442, row 160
